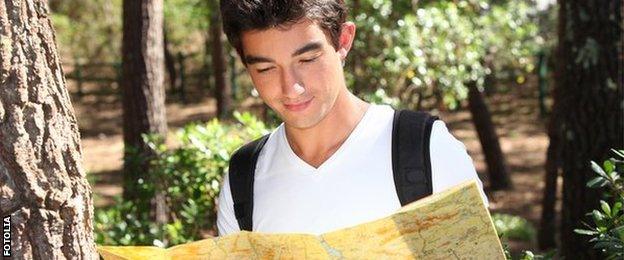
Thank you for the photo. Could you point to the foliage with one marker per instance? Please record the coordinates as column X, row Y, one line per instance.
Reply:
column 517, row 228
column 87, row 30
column 190, row 176
column 513, row 227
column 91, row 31
column 380, row 97
column 441, row 45
column 607, row 232
column 412, row 50
column 184, row 19
column 529, row 255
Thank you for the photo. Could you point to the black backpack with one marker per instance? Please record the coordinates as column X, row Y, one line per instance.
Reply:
column 411, row 164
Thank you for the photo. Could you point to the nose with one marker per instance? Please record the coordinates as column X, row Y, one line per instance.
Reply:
column 292, row 87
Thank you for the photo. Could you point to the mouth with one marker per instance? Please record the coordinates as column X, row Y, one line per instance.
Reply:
column 294, row 107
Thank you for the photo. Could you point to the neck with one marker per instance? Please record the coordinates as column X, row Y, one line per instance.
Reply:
column 316, row 144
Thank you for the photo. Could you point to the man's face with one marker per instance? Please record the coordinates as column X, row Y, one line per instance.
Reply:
column 296, row 70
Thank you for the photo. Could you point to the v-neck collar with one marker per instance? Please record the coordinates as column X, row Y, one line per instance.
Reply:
column 309, row 169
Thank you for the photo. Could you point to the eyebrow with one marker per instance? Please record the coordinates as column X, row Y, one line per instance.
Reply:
column 252, row 59
column 308, row 47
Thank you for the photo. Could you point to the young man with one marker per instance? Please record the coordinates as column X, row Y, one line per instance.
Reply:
column 330, row 164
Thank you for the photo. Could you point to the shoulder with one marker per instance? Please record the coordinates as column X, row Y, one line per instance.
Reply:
column 450, row 162
column 249, row 148
column 258, row 147
column 442, row 139
column 446, row 150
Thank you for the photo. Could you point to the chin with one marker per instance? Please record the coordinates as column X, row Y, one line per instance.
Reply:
column 303, row 121
column 306, row 119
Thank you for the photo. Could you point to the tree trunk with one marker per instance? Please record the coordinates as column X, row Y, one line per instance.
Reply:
column 143, row 91
column 43, row 186
column 547, row 231
column 546, row 234
column 497, row 168
column 223, row 90
column 592, row 116
column 170, row 65
column 439, row 98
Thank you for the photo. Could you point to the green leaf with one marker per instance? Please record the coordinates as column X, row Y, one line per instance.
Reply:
column 605, row 208
column 586, row 232
column 615, row 176
column 618, row 152
column 608, row 166
column 598, row 216
column 528, row 255
column 596, row 168
column 616, row 208
column 597, row 182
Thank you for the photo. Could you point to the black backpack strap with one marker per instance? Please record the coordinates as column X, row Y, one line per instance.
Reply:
column 411, row 165
column 242, row 172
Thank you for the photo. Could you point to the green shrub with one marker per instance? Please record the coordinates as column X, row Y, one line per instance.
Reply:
column 607, row 232
column 380, row 97
column 421, row 49
column 189, row 176
column 513, row 227
column 529, row 255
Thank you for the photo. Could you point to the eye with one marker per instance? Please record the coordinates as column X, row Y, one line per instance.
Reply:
column 308, row 60
column 264, row 70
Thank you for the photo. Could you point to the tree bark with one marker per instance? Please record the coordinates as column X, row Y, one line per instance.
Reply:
column 546, row 234
column 591, row 96
column 547, row 231
column 43, row 186
column 223, row 89
column 143, row 91
column 482, row 118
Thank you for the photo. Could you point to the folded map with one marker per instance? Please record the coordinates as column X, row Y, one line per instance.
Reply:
column 452, row 224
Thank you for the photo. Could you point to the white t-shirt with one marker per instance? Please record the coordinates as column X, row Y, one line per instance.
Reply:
column 355, row 185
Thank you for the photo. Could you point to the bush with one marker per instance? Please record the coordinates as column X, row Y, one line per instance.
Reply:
column 513, row 227
column 607, row 232
column 190, row 176
column 421, row 49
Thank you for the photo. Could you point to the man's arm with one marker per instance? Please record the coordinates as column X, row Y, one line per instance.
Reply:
column 226, row 220
column 450, row 163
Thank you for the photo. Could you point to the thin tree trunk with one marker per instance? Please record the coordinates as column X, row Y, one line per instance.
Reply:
column 497, row 168
column 182, row 76
column 143, row 91
column 223, row 90
column 43, row 186
column 546, row 234
column 439, row 98
column 170, row 65
column 592, row 116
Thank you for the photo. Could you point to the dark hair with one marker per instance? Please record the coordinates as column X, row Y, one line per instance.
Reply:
column 245, row 15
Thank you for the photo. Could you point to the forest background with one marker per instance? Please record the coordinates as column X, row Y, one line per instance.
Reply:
column 533, row 88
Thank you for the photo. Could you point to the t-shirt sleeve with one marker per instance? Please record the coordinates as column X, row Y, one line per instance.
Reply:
column 450, row 162
column 226, row 220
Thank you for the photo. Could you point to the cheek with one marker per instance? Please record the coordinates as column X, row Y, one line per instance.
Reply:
column 321, row 75
column 264, row 84
column 264, row 91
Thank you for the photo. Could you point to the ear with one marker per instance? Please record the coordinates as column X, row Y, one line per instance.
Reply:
column 345, row 41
